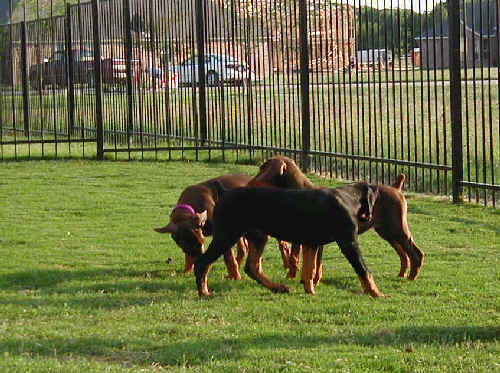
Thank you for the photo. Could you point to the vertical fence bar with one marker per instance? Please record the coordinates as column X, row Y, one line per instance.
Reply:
column 24, row 77
column 127, row 19
column 455, row 99
column 304, row 86
column 200, row 45
column 70, row 75
column 98, row 79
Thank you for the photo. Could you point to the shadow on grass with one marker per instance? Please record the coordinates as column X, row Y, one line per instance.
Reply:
column 146, row 350
column 103, row 288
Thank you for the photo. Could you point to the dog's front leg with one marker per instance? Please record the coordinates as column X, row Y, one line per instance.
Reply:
column 204, row 262
column 309, row 267
column 253, row 265
column 351, row 251
column 189, row 264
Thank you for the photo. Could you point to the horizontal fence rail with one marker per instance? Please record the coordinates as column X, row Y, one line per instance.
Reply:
column 352, row 90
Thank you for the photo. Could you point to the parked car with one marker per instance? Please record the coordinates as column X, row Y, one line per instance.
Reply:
column 219, row 69
column 52, row 71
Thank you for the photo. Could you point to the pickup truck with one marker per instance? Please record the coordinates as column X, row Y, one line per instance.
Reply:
column 52, row 71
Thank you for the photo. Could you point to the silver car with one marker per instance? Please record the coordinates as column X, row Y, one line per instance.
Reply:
column 219, row 69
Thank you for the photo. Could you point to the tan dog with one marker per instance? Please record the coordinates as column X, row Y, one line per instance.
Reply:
column 186, row 223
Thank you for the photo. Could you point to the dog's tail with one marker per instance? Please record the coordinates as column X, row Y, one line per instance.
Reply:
column 398, row 184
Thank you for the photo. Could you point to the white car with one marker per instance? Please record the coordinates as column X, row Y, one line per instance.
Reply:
column 219, row 69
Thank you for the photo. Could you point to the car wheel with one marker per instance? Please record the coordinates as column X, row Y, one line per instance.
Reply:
column 212, row 78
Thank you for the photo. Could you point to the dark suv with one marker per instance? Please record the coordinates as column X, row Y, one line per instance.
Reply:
column 53, row 70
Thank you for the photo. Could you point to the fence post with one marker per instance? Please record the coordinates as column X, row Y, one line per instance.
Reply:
column 455, row 99
column 200, row 45
column 304, row 86
column 98, row 79
column 24, row 73
column 127, row 15
column 70, row 86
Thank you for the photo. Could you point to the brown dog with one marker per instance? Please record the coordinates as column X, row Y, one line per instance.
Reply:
column 188, row 228
column 389, row 221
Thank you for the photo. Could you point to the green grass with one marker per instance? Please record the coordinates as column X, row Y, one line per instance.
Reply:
column 85, row 286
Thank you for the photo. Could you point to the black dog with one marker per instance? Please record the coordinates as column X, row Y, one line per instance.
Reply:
column 308, row 217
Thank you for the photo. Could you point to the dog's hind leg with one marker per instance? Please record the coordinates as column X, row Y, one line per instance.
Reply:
column 391, row 223
column 351, row 251
column 253, row 266
column 233, row 272
column 284, row 248
column 410, row 255
column 403, row 258
column 293, row 260
column 416, row 258
column 242, row 250
column 309, row 267
column 403, row 255
column 319, row 266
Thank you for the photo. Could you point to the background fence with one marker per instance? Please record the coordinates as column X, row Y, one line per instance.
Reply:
column 357, row 90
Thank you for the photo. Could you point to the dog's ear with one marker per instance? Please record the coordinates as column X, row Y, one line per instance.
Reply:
column 199, row 219
column 369, row 196
column 169, row 228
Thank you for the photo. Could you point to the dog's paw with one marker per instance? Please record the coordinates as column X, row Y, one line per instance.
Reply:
column 204, row 294
column 414, row 272
column 378, row 294
column 309, row 287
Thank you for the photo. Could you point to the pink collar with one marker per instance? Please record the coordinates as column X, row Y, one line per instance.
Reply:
column 185, row 206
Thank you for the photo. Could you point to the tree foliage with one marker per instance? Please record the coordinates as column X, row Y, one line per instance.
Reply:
column 397, row 29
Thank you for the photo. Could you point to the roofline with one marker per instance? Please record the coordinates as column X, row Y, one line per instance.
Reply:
column 467, row 28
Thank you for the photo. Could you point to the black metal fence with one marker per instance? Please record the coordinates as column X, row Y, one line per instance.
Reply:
column 356, row 90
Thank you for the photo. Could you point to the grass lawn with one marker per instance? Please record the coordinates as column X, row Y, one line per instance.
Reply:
column 85, row 285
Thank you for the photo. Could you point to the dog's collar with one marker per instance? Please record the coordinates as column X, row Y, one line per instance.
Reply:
column 186, row 207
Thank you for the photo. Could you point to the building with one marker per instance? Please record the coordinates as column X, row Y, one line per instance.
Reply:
column 478, row 39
